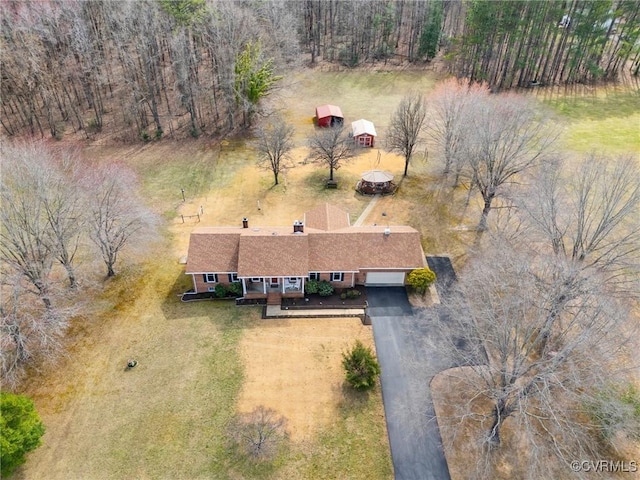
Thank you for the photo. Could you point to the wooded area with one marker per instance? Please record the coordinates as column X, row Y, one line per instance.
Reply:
column 151, row 68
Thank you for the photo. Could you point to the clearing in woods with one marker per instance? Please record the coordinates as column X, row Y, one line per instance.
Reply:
column 200, row 363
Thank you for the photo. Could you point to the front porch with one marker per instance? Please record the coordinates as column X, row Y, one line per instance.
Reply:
column 263, row 287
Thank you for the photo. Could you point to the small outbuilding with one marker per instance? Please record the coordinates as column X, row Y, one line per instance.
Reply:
column 376, row 182
column 329, row 116
column 364, row 133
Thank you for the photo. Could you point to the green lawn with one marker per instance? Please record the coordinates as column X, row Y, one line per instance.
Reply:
column 604, row 123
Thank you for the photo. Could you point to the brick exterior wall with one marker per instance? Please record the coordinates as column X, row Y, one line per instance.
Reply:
column 202, row 286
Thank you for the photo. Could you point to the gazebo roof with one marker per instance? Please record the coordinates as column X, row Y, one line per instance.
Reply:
column 363, row 126
column 377, row 176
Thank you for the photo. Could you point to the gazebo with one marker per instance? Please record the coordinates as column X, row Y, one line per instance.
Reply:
column 374, row 182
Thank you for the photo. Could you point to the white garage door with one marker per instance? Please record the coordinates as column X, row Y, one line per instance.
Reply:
column 384, row 278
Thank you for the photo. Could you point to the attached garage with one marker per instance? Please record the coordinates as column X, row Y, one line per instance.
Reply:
column 375, row 279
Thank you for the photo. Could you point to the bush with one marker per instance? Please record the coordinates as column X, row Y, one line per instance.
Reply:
column 421, row 279
column 220, row 291
column 361, row 367
column 325, row 289
column 350, row 294
column 235, row 289
column 20, row 430
column 311, row 286
column 353, row 293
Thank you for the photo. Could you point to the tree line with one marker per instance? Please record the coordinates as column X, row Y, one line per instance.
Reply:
column 140, row 70
column 151, row 67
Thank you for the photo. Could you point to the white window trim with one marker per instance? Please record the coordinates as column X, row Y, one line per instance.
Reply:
column 207, row 275
column 314, row 274
column 233, row 277
column 340, row 274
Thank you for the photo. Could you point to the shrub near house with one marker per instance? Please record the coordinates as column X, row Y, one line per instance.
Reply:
column 322, row 253
column 421, row 279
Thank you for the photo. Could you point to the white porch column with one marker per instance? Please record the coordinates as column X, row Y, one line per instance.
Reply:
column 302, row 284
column 353, row 279
column 244, row 287
column 264, row 285
column 282, row 282
column 195, row 287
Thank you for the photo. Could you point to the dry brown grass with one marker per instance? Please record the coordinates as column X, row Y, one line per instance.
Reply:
column 465, row 418
column 294, row 367
column 164, row 418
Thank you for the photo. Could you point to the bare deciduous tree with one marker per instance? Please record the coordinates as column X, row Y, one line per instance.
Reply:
column 507, row 135
column 331, row 146
column 406, row 124
column 590, row 223
column 115, row 213
column 26, row 241
column 259, row 434
column 275, row 141
column 63, row 207
column 27, row 331
column 493, row 325
column 447, row 127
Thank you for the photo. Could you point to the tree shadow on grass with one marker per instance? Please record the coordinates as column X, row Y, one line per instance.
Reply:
column 354, row 401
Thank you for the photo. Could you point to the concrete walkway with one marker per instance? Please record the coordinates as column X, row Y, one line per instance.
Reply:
column 366, row 211
column 274, row 311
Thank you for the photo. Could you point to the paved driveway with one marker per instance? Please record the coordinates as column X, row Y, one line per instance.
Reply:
column 407, row 368
column 402, row 335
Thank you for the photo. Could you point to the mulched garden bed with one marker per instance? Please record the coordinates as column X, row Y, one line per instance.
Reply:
column 192, row 296
column 315, row 301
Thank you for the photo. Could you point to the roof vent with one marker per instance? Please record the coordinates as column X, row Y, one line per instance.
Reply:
column 245, row 222
column 298, row 227
column 387, row 231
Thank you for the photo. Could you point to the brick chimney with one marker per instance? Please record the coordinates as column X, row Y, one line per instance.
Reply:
column 245, row 222
column 298, row 227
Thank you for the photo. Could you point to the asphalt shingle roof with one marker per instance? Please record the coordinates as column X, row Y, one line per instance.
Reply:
column 330, row 246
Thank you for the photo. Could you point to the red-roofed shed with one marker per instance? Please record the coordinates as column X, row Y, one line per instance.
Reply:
column 329, row 116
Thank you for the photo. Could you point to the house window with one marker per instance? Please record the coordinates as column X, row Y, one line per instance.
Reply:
column 337, row 276
column 210, row 277
column 314, row 276
column 256, row 279
column 233, row 277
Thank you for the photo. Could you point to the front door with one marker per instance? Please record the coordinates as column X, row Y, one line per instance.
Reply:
column 274, row 282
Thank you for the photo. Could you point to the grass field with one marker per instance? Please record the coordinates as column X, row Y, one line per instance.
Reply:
column 200, row 363
column 602, row 122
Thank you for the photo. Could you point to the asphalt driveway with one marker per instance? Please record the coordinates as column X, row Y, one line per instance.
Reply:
column 401, row 334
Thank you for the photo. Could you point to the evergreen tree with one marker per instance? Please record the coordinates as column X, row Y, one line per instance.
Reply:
column 361, row 367
column 20, row 430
